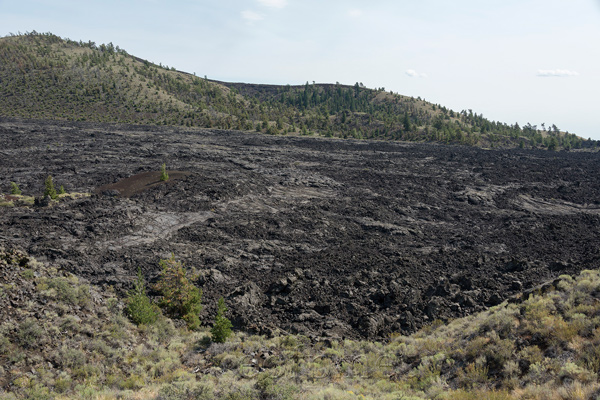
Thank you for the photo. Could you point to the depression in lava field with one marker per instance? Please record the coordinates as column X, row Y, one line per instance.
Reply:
column 324, row 237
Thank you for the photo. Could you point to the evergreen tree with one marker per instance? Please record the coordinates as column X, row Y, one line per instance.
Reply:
column 139, row 308
column 50, row 191
column 164, row 176
column 14, row 188
column 181, row 297
column 221, row 329
column 406, row 122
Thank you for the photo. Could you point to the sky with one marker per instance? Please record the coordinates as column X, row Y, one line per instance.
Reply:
column 524, row 61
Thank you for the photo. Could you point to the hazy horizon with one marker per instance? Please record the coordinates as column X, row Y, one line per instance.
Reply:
column 512, row 61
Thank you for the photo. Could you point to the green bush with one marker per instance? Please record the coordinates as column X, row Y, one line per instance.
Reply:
column 139, row 308
column 5, row 345
column 38, row 392
column 14, row 188
column 71, row 357
column 49, row 185
column 181, row 298
column 221, row 329
column 27, row 274
column 62, row 384
column 163, row 173
column 184, row 391
column 67, row 291
column 133, row 382
column 29, row 333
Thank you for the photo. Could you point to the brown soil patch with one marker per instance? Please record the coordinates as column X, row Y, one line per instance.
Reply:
column 8, row 197
column 139, row 183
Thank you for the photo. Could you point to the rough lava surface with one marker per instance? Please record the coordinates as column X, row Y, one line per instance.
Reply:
column 324, row 237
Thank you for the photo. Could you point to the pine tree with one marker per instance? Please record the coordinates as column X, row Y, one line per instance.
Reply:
column 139, row 308
column 14, row 188
column 50, row 191
column 181, row 297
column 221, row 329
column 406, row 122
column 163, row 173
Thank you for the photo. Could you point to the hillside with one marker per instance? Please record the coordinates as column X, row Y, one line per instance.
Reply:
column 61, row 337
column 46, row 77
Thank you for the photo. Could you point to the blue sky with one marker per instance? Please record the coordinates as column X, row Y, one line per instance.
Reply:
column 514, row 61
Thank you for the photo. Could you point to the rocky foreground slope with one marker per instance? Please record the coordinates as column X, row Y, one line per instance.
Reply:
column 316, row 236
column 62, row 338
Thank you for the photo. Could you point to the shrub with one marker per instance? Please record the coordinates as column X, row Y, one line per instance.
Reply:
column 50, row 191
column 27, row 274
column 71, row 357
column 181, row 298
column 221, row 329
column 65, row 290
column 163, row 330
column 38, row 392
column 62, row 384
column 184, row 391
column 29, row 333
column 139, row 308
column 133, row 382
column 264, row 381
column 474, row 374
column 590, row 357
column 163, row 173
column 574, row 372
column 14, row 188
column 4, row 345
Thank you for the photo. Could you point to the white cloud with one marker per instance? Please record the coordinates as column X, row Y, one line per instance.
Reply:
column 355, row 13
column 273, row 3
column 556, row 73
column 251, row 16
column 414, row 74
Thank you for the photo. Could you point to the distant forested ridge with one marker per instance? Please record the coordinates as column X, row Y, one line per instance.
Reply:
column 43, row 76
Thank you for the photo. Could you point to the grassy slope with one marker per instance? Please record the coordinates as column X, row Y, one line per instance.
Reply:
column 46, row 77
column 63, row 338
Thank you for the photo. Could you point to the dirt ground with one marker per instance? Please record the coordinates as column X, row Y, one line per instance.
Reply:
column 326, row 237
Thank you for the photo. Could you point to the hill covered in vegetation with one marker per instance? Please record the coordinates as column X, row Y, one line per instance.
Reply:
column 43, row 76
column 61, row 337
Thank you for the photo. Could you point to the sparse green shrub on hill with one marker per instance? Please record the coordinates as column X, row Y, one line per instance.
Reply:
column 14, row 188
column 68, row 290
column 181, row 298
column 49, row 188
column 29, row 333
column 139, row 307
column 221, row 329
column 164, row 176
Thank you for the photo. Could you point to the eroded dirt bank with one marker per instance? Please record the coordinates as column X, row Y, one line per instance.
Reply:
column 324, row 237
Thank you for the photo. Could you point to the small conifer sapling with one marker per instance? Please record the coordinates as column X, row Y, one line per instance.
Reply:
column 221, row 329
column 139, row 308
column 14, row 188
column 163, row 173
column 49, row 185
